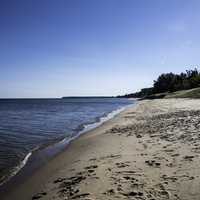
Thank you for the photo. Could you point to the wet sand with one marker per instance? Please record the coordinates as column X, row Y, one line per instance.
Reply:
column 147, row 152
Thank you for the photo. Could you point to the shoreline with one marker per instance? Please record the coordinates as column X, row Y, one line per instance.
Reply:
column 51, row 151
column 148, row 151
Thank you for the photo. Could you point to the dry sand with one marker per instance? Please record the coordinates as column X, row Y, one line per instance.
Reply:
column 148, row 152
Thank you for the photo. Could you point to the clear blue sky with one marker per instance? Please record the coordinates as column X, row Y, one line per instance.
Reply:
column 53, row 48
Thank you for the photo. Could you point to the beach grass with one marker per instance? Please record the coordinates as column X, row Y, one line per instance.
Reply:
column 192, row 93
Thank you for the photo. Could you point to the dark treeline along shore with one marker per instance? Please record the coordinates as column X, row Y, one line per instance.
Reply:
column 168, row 83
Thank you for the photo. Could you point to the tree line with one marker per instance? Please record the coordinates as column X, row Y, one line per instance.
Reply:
column 170, row 82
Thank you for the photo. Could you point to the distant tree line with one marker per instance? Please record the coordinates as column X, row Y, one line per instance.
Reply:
column 170, row 82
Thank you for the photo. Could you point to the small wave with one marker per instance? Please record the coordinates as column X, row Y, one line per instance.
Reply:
column 17, row 168
column 88, row 127
column 25, row 160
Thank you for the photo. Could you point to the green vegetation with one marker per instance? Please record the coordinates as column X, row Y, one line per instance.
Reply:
column 192, row 93
column 168, row 84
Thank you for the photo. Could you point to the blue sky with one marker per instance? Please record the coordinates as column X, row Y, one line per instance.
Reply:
column 53, row 48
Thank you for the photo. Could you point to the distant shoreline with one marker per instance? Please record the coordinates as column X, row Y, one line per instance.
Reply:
column 92, row 97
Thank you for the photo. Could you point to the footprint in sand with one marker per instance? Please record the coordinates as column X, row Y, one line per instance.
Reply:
column 189, row 158
column 122, row 164
column 152, row 163
column 39, row 195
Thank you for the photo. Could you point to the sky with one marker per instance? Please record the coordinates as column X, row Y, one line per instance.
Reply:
column 55, row 48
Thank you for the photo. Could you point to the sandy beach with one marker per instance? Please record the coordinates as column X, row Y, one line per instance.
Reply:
column 149, row 152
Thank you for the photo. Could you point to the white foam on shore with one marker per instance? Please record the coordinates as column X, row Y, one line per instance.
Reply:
column 17, row 168
column 89, row 127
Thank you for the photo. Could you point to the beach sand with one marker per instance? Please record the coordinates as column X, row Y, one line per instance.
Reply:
column 149, row 152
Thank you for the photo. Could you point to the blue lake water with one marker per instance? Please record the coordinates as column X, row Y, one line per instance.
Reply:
column 29, row 124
